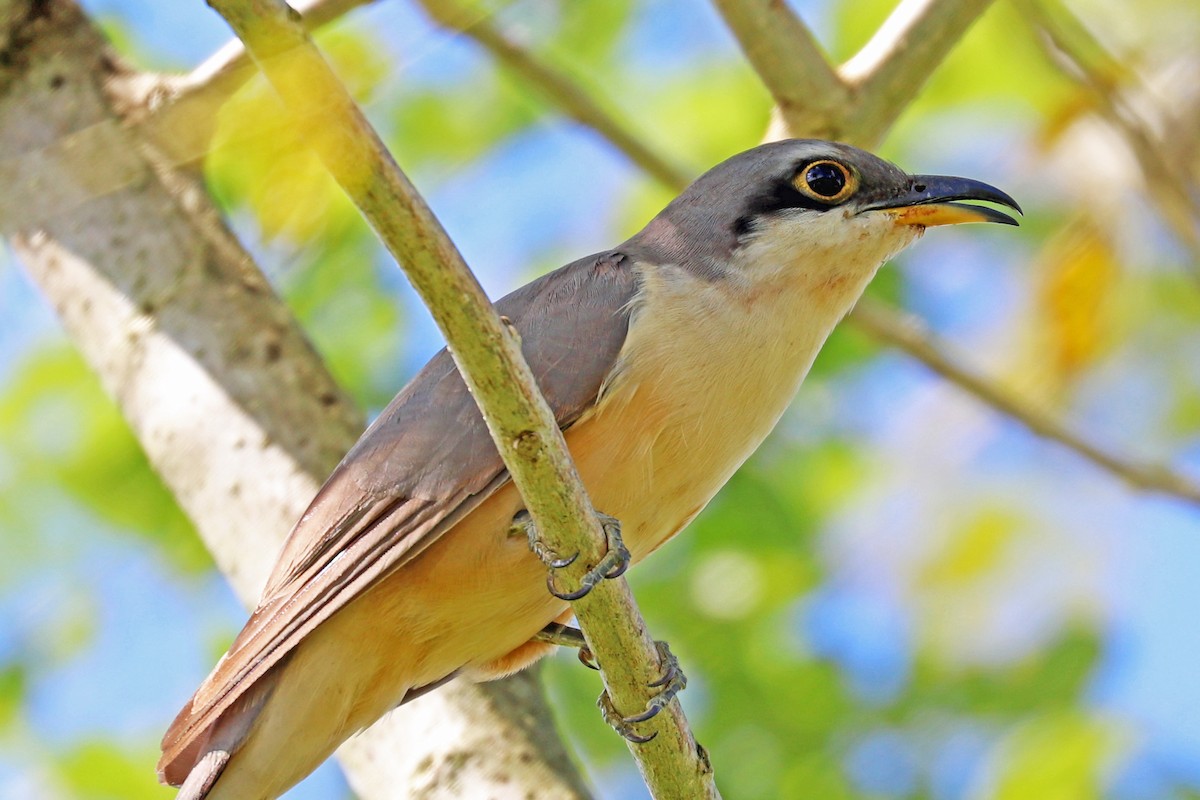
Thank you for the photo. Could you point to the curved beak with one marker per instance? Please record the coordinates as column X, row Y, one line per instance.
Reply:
column 926, row 202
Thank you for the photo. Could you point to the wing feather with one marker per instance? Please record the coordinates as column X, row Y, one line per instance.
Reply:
column 423, row 464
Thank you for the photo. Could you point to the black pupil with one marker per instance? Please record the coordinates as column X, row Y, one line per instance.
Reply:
column 825, row 180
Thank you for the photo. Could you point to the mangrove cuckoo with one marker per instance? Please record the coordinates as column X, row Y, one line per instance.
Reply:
column 667, row 360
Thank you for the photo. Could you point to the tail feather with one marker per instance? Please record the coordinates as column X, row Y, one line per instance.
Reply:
column 203, row 775
column 194, row 759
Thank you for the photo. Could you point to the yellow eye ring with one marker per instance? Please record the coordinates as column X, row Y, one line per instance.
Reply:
column 826, row 181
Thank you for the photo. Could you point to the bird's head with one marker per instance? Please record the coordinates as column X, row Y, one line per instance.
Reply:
column 806, row 204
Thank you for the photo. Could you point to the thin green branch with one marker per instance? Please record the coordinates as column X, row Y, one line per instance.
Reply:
column 558, row 87
column 489, row 357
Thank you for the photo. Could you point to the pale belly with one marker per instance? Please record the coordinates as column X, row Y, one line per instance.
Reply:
column 471, row 600
column 669, row 432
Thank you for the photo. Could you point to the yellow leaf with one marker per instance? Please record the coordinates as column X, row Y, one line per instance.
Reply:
column 261, row 156
column 1078, row 272
column 975, row 552
column 1061, row 756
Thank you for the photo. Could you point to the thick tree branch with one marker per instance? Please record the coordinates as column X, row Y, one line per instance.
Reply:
column 558, row 87
column 893, row 328
column 886, row 75
column 489, row 357
column 789, row 60
column 231, row 404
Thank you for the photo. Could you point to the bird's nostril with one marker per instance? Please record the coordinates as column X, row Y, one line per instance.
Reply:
column 918, row 187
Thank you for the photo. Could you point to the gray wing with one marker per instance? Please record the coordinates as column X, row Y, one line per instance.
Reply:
column 423, row 464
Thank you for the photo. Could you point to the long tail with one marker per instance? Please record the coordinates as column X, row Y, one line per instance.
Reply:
column 196, row 763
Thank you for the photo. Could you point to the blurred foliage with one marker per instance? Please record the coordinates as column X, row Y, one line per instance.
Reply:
column 857, row 617
column 101, row 771
column 261, row 166
column 1079, row 279
column 1060, row 755
column 59, row 429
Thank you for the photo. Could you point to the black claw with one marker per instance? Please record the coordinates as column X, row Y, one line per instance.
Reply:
column 670, row 683
column 588, row 658
column 522, row 524
column 559, row 563
column 622, row 725
column 622, row 564
column 568, row 596
column 669, row 674
column 612, row 565
column 565, row 636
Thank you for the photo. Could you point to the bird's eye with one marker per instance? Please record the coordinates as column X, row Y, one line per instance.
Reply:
column 827, row 181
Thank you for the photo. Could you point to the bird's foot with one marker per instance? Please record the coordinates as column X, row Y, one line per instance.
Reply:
column 565, row 636
column 612, row 565
column 671, row 683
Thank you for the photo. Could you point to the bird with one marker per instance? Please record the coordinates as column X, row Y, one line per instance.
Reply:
column 667, row 360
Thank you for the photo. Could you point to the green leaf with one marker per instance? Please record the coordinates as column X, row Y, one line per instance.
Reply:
column 14, row 684
column 98, row 770
column 1061, row 756
column 64, row 431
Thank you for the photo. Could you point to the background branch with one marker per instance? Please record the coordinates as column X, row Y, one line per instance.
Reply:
column 907, row 333
column 1070, row 44
column 860, row 101
column 558, row 87
column 888, row 73
column 789, row 61
column 488, row 356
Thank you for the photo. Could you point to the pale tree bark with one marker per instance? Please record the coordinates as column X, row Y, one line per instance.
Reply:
column 230, row 402
column 859, row 101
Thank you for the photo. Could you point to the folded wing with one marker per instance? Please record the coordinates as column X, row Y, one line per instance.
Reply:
column 427, row 461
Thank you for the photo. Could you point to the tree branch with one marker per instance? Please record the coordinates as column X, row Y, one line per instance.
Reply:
column 907, row 333
column 489, row 357
column 559, row 88
column 886, row 75
column 787, row 57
